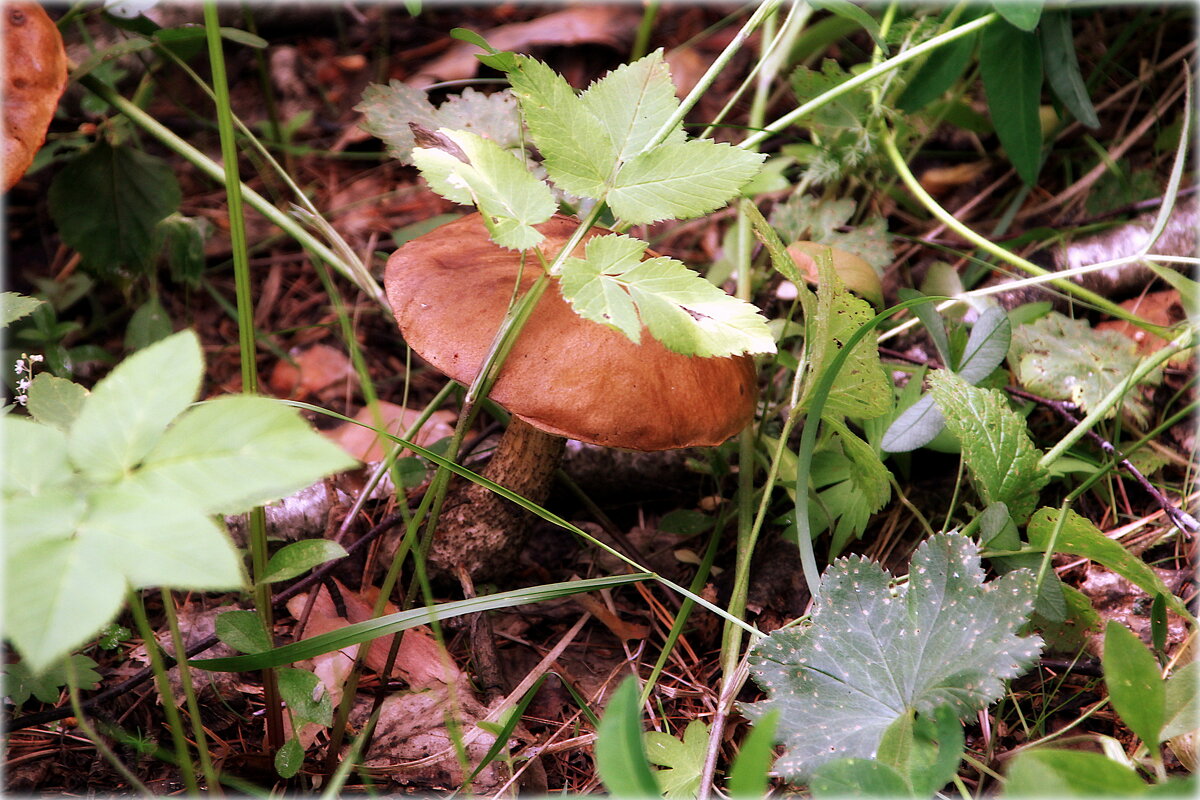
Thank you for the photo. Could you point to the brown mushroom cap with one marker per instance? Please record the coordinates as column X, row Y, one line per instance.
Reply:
column 566, row 375
column 35, row 74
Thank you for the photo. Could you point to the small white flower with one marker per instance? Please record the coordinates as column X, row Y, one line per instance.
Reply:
column 19, row 367
column 21, row 399
column 37, row 358
column 22, row 385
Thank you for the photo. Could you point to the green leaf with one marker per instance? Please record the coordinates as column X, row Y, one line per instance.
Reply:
column 510, row 197
column 632, row 102
column 128, row 410
column 299, row 557
column 683, row 760
column 149, row 324
column 867, row 486
column 1066, row 359
column 844, row 8
column 1046, row 772
column 159, row 540
column 106, row 203
column 1024, row 14
column 289, row 758
column 578, row 153
column 55, row 401
column 20, row 683
column 13, row 306
column 924, row 751
column 748, row 777
column 1079, row 537
column 986, row 347
column 861, row 390
column 612, row 286
column 183, row 240
column 230, row 454
column 940, row 71
column 1135, row 687
column 1182, row 702
column 50, row 515
column 620, row 755
column 680, row 181
column 1000, row 458
column 1062, row 67
column 34, row 457
column 297, row 688
column 243, row 631
column 1010, row 63
column 857, row 777
column 241, row 37
column 874, row 653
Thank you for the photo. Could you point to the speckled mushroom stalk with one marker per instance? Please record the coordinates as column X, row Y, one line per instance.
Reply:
column 564, row 378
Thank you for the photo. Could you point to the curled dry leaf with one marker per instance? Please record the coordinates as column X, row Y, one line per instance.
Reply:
column 316, row 368
column 367, row 446
column 1163, row 308
column 35, row 74
column 855, row 272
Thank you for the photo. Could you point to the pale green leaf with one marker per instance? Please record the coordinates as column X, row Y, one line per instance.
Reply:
column 235, row 452
column 986, row 347
column 297, row 688
column 34, row 456
column 683, row 760
column 1182, row 705
column 243, row 631
column 13, row 306
column 874, row 653
column 577, row 151
column 867, row 486
column 509, row 196
column 1135, row 688
column 57, row 594
column 916, row 426
column 1047, row 772
column 150, row 323
column 857, row 777
column 1066, row 359
column 861, row 390
column 680, row 181
column 1024, row 14
column 159, row 540
column 632, row 102
column 1000, row 458
column 52, row 514
column 620, row 751
column 682, row 310
column 1062, row 67
column 298, row 558
column 55, row 401
column 289, row 758
column 129, row 409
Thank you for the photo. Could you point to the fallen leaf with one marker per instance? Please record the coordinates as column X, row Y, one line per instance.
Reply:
column 368, row 447
column 316, row 368
column 1159, row 308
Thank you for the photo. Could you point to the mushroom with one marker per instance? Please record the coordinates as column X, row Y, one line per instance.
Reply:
column 565, row 377
column 35, row 75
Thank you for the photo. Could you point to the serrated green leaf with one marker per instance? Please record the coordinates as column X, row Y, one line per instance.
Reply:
column 34, row 457
column 107, row 202
column 55, row 401
column 1066, row 359
column 857, row 777
column 1077, row 536
column 683, row 760
column 1010, row 63
column 13, row 306
column 689, row 315
column 298, row 558
column 781, row 260
column 861, row 390
column 1001, row 460
column 867, row 486
column 1046, row 772
column 20, row 683
column 1062, row 67
column 159, row 540
column 230, row 454
column 1182, row 702
column 620, row 753
column 1134, row 685
column 869, row 656
column 510, row 197
column 243, row 631
column 128, row 411
column 297, row 688
column 632, row 102
column 578, row 152
column 680, row 181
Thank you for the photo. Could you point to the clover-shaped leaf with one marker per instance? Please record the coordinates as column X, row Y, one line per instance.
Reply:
column 873, row 653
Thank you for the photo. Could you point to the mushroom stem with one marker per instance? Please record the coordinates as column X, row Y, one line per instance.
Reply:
column 480, row 532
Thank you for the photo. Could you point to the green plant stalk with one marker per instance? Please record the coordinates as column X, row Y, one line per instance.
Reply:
column 187, row 769
column 948, row 219
column 216, row 173
column 1184, row 341
column 755, row 139
column 101, row 746
column 245, row 307
column 641, row 40
column 189, row 693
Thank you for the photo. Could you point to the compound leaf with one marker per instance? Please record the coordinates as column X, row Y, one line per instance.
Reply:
column 632, row 102
column 612, row 286
column 683, row 761
column 873, row 654
column 1002, row 461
